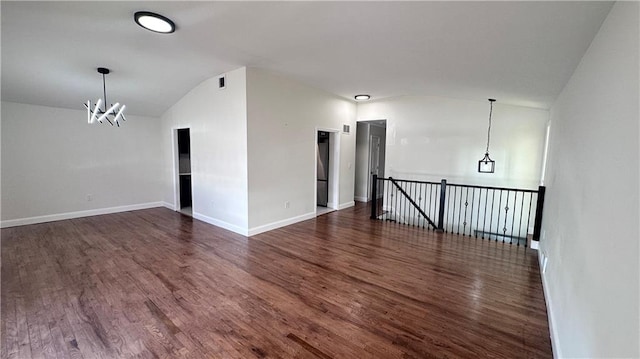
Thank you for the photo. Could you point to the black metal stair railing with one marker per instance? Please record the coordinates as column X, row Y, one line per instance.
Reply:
column 494, row 213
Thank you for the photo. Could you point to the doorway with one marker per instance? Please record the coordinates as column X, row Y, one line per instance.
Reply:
column 322, row 171
column 184, row 194
column 327, row 170
column 371, row 138
column 374, row 161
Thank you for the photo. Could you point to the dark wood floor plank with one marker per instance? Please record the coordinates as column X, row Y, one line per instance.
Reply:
column 155, row 284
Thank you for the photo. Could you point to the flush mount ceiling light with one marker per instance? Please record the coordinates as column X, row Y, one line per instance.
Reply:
column 154, row 22
column 111, row 115
column 487, row 165
column 362, row 97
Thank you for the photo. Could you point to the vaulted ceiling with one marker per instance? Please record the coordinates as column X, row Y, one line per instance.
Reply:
column 522, row 53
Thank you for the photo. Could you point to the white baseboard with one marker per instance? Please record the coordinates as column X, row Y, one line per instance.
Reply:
column 535, row 245
column 171, row 206
column 361, row 199
column 221, row 224
column 285, row 222
column 555, row 341
column 346, row 205
column 77, row 214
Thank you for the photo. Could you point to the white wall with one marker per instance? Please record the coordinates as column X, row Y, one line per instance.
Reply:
column 590, row 224
column 431, row 138
column 218, row 122
column 52, row 160
column 283, row 117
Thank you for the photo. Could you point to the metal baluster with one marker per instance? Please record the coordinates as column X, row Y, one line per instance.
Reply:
column 407, row 209
column 423, row 192
column 499, row 210
column 403, row 208
column 432, row 208
column 385, row 201
column 459, row 209
column 400, row 207
column 473, row 199
column 466, row 206
column 427, row 204
column 484, row 218
column 448, row 210
column 506, row 216
column 412, row 211
column 493, row 201
column 396, row 199
column 390, row 209
column 453, row 208
column 513, row 216
column 520, row 225
column 388, row 200
column 417, row 193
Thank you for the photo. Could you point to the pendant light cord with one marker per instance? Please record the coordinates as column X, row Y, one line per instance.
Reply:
column 488, row 130
column 104, row 89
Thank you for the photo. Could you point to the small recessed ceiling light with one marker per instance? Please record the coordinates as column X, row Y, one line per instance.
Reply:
column 154, row 22
column 362, row 97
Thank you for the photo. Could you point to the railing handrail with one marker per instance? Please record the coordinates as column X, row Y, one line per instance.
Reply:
column 464, row 185
column 494, row 188
column 405, row 180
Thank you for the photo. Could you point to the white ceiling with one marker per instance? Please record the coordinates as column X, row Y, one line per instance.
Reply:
column 521, row 53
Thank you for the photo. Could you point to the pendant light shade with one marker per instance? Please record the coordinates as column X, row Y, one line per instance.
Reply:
column 486, row 164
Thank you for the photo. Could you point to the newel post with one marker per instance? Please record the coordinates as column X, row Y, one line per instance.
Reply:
column 374, row 197
column 539, row 206
column 443, row 194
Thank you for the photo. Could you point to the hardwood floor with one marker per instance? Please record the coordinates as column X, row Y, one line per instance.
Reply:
column 154, row 284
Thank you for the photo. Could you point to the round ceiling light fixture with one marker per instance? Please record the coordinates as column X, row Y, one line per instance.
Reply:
column 154, row 22
column 362, row 97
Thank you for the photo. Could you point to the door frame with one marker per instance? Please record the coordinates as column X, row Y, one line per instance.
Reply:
column 334, row 167
column 176, row 166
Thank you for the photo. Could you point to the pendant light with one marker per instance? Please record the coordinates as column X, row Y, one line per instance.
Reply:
column 487, row 165
column 113, row 114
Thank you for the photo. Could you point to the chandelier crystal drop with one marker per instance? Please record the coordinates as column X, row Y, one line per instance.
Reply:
column 97, row 114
